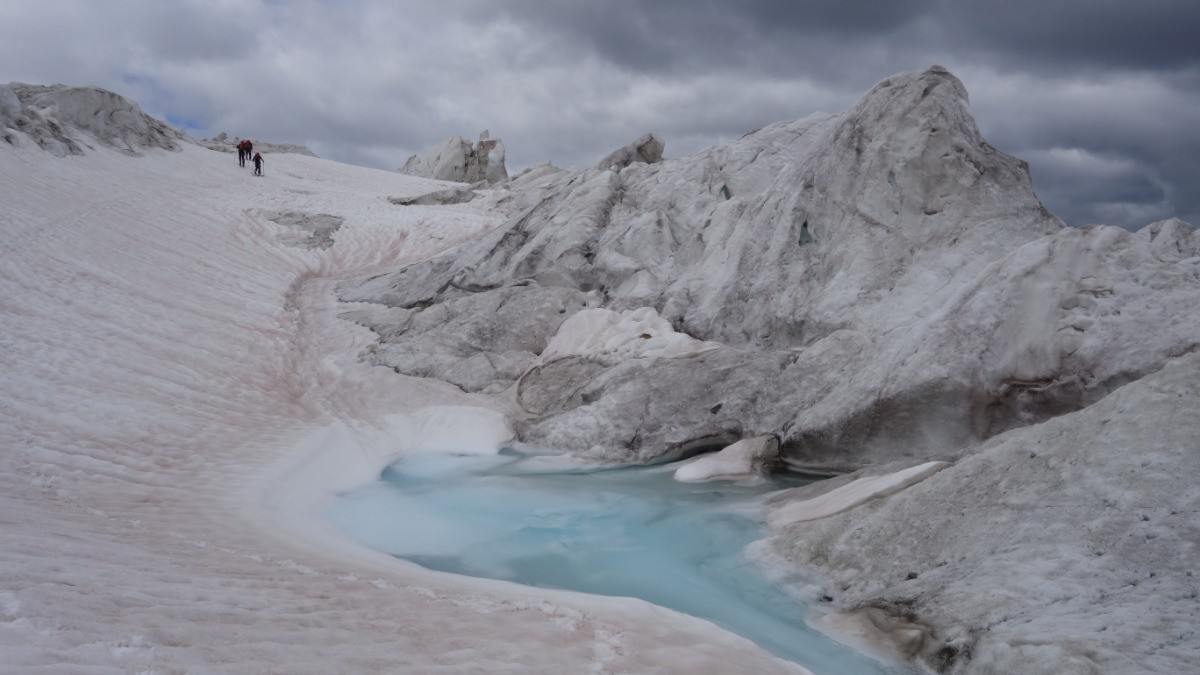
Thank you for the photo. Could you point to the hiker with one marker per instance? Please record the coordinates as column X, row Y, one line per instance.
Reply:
column 245, row 147
column 258, row 162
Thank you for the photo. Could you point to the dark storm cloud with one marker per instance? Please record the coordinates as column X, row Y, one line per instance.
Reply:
column 670, row 35
column 1101, row 97
column 1102, row 189
column 1137, row 120
column 1080, row 35
column 682, row 36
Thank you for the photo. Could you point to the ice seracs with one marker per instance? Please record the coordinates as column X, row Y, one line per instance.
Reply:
column 903, row 204
column 882, row 291
column 1172, row 240
column 647, row 148
column 458, row 160
column 65, row 120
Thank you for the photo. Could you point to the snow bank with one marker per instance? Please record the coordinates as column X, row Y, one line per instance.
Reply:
column 745, row 460
column 461, row 430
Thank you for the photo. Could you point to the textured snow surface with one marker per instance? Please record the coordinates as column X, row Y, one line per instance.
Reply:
column 178, row 401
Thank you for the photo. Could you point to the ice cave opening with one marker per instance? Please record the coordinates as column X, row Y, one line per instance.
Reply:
column 631, row 531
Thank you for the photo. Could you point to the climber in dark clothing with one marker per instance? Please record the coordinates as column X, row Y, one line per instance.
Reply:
column 245, row 147
column 258, row 164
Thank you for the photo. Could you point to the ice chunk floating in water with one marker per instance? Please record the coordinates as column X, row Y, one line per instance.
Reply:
column 627, row 532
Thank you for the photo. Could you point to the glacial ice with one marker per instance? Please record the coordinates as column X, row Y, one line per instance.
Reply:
column 180, row 399
column 934, row 308
column 456, row 159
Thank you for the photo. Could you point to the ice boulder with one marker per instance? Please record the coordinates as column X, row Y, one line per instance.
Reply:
column 647, row 149
column 457, row 160
column 1172, row 240
column 467, row 341
column 10, row 111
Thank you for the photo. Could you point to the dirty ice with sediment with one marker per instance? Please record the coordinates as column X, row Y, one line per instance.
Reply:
column 197, row 361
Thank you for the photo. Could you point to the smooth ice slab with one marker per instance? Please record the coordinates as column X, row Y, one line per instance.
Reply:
column 624, row 532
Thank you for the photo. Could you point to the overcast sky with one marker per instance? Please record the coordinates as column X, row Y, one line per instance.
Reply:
column 1101, row 97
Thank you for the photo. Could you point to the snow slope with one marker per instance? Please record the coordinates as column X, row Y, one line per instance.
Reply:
column 178, row 400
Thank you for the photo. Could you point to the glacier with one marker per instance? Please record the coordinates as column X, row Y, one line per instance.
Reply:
column 192, row 375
